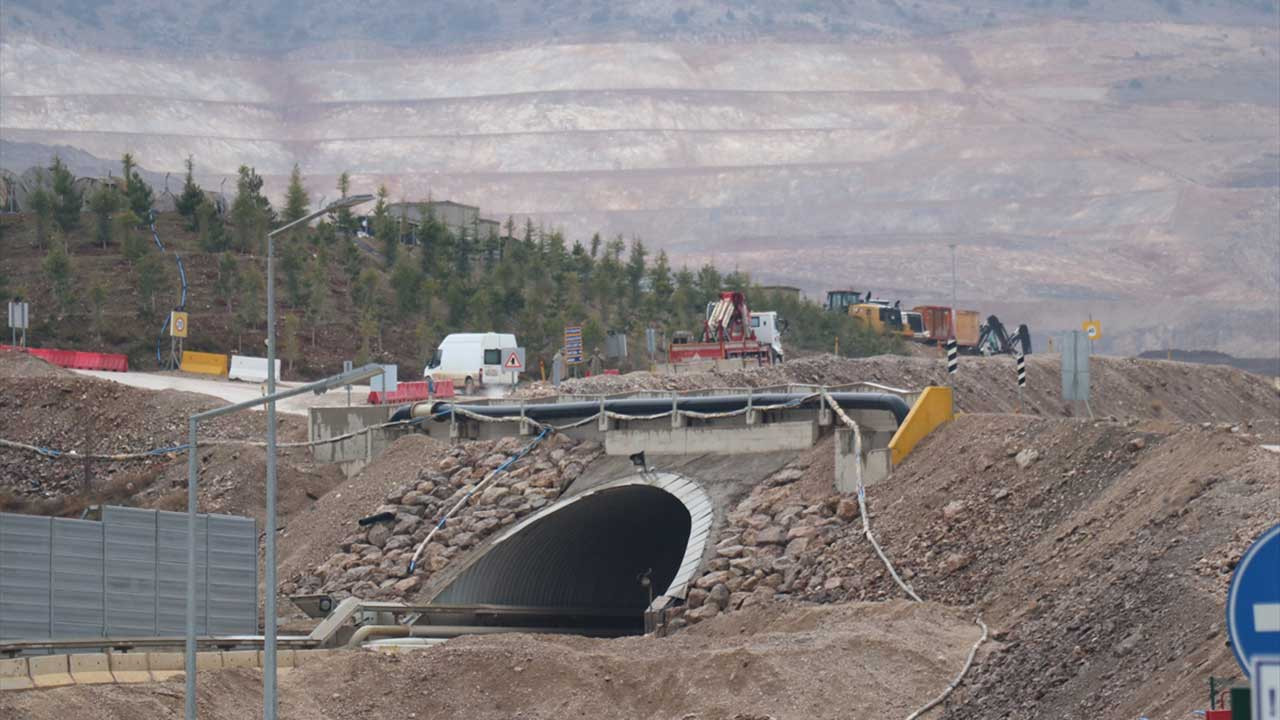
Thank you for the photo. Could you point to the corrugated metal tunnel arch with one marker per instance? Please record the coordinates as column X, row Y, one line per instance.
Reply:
column 589, row 550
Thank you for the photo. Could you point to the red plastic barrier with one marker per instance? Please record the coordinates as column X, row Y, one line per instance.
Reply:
column 77, row 359
column 611, row 371
column 444, row 389
column 411, row 392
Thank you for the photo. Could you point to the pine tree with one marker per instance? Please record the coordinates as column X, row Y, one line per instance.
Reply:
column 103, row 202
column 346, row 222
column 67, row 200
column 192, row 197
column 320, row 307
column 152, row 282
column 635, row 270
column 384, row 228
column 133, row 245
column 58, row 269
column 350, row 258
column 136, row 190
column 127, row 165
column 406, row 284
column 708, row 284
column 660, row 285
column 290, row 346
column 228, row 282
column 367, row 328
column 291, row 263
column 251, row 212
column 211, row 233
column 367, row 290
column 249, row 315
column 42, row 205
column 296, row 199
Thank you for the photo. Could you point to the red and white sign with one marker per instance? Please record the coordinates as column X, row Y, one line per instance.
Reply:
column 513, row 362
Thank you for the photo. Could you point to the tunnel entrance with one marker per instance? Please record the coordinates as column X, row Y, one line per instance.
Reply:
column 581, row 565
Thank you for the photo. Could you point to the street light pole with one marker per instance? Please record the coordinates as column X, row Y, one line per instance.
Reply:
column 269, row 606
column 193, row 478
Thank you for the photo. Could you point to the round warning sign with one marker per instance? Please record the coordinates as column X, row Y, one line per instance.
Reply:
column 178, row 324
column 1093, row 329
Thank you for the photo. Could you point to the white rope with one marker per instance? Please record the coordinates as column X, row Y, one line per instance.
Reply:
column 862, row 507
column 973, row 652
column 413, row 562
column 866, row 528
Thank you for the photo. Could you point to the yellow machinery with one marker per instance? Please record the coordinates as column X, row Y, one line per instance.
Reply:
column 880, row 318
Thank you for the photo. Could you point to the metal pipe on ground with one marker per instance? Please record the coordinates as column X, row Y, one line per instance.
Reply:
column 362, row 634
column 441, row 411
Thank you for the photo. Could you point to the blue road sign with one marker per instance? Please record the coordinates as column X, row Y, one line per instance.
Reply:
column 1253, row 603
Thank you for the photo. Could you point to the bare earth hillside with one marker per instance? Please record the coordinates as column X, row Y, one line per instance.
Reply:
column 1125, row 167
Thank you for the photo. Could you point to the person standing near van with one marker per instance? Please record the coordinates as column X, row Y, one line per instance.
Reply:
column 597, row 362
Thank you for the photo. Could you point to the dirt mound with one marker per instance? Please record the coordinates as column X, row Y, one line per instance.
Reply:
column 18, row 364
column 69, row 412
column 1121, row 387
column 1098, row 551
column 793, row 663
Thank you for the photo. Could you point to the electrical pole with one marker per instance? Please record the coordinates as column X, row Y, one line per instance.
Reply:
column 953, row 290
column 269, row 607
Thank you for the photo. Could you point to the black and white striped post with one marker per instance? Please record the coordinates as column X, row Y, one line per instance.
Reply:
column 1021, row 363
column 952, row 363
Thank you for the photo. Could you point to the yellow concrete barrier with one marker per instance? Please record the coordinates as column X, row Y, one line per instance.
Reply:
column 164, row 665
column 935, row 407
column 204, row 363
column 15, row 675
column 129, row 667
column 90, row 668
column 50, row 670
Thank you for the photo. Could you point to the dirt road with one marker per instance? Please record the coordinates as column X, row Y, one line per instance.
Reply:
column 807, row 662
column 230, row 390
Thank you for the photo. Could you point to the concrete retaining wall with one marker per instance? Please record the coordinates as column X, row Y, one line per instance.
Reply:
column 41, row 671
column 355, row 452
column 773, row 437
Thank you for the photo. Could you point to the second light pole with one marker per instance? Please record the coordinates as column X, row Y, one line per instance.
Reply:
column 269, row 606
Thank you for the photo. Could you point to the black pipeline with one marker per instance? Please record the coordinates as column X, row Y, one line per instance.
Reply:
column 546, row 412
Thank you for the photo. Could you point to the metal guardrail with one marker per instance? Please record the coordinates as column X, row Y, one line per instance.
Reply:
column 215, row 642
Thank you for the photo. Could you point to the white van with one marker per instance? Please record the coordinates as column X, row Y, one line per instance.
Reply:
column 473, row 359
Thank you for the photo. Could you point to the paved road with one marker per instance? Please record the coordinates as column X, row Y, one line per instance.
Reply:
column 230, row 390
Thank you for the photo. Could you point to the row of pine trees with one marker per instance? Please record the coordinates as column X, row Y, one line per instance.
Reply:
column 528, row 280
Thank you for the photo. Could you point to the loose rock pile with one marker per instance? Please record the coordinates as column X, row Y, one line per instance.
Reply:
column 373, row 563
column 768, row 548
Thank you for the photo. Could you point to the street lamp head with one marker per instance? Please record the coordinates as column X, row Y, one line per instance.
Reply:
column 347, row 202
column 364, row 372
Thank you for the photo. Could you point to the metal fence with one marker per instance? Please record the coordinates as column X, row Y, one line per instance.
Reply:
column 125, row 576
